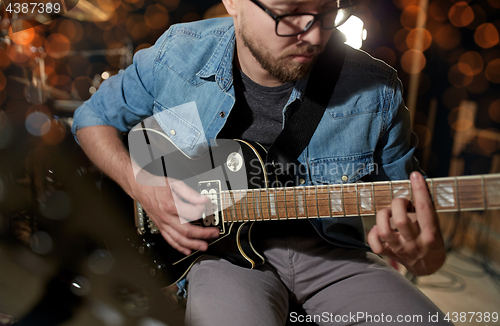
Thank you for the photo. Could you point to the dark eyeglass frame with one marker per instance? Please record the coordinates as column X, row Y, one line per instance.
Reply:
column 341, row 4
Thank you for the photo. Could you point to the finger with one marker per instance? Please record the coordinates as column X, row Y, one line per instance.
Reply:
column 187, row 211
column 197, row 232
column 175, row 244
column 401, row 220
column 187, row 193
column 384, row 228
column 424, row 207
column 376, row 243
column 186, row 242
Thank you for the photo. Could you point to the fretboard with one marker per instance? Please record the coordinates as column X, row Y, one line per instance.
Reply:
column 449, row 194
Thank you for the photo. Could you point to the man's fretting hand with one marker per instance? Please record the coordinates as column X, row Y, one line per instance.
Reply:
column 417, row 242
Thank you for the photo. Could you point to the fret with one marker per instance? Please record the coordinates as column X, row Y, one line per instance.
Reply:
column 316, row 194
column 273, row 204
column 304, row 189
column 295, row 202
column 431, row 190
column 225, row 207
column 276, row 202
column 390, row 190
column 357, row 198
column 457, row 194
column 242, row 206
column 247, row 204
column 484, row 192
column 231, row 207
column 411, row 190
column 342, row 199
column 269, row 212
column 374, row 201
column 329, row 200
column 284, row 200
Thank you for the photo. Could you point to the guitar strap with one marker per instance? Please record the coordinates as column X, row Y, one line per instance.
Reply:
column 300, row 127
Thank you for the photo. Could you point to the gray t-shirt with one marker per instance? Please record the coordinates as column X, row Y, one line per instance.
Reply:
column 257, row 114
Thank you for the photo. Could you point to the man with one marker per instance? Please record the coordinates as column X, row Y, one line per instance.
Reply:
column 246, row 75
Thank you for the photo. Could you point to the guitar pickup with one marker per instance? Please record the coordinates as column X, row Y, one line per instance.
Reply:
column 214, row 214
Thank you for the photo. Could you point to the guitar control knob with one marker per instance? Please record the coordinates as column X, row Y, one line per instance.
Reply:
column 145, row 249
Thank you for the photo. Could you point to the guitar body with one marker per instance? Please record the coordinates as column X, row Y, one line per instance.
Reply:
column 230, row 165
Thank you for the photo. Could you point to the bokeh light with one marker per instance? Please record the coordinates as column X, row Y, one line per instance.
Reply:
column 37, row 124
column 409, row 16
column 461, row 14
column 108, row 5
column 447, row 37
column 413, row 61
column 80, row 286
column 413, row 39
column 57, row 46
column 457, row 78
column 400, row 40
column 470, row 63
column 494, row 111
column 156, row 16
column 461, row 119
column 72, row 29
column 137, row 27
column 54, row 136
column 494, row 3
column 487, row 140
column 23, row 37
column 492, row 71
column 480, row 17
column 438, row 10
column 479, row 84
column 41, row 242
column 20, row 54
column 100, row 261
column 486, row 36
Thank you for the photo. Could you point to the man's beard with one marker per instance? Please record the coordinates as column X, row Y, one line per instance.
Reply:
column 282, row 68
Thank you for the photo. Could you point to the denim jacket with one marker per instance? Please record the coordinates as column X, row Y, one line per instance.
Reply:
column 364, row 135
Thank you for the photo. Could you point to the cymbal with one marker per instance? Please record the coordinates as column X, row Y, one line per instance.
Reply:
column 88, row 11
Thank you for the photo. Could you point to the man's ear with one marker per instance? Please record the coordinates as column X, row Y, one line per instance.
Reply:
column 230, row 6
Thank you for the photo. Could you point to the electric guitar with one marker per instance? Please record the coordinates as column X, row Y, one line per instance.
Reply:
column 233, row 174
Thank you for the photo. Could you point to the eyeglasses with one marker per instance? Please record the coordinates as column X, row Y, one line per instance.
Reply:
column 295, row 24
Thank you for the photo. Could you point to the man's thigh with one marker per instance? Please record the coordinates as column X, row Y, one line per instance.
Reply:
column 372, row 293
column 220, row 293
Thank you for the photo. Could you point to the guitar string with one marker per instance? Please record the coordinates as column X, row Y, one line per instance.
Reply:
column 281, row 192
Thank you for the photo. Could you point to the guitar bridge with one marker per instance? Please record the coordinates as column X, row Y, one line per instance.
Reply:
column 143, row 221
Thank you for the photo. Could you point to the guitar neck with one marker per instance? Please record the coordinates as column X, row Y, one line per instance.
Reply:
column 449, row 194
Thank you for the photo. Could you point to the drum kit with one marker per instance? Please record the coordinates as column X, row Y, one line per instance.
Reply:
column 34, row 78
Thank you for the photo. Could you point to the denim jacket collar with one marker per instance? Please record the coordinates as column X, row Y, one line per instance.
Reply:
column 220, row 63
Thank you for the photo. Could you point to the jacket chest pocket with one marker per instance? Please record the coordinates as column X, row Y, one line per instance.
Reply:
column 341, row 169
